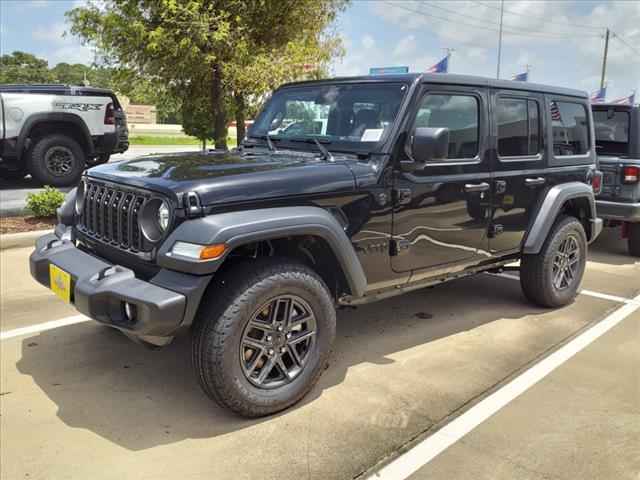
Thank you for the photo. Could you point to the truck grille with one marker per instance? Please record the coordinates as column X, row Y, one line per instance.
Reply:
column 112, row 215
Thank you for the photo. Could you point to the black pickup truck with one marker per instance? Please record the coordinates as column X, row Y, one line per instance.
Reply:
column 617, row 130
column 386, row 184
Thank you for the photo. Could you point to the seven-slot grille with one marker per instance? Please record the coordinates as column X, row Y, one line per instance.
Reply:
column 112, row 215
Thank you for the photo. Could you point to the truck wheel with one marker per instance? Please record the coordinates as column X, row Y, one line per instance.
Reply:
column 551, row 277
column 56, row 160
column 633, row 238
column 263, row 336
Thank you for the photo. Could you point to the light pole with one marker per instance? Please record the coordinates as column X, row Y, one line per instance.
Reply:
column 500, row 37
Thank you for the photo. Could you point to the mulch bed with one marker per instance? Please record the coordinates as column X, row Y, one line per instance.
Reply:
column 26, row 224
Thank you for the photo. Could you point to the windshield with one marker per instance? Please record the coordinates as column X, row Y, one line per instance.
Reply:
column 612, row 132
column 344, row 115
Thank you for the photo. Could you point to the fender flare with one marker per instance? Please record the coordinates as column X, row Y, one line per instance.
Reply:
column 241, row 228
column 550, row 208
column 34, row 119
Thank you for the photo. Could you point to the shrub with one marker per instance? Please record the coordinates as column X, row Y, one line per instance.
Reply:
column 45, row 203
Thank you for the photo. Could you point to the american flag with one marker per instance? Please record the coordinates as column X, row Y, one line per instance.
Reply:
column 626, row 100
column 441, row 67
column 555, row 113
column 521, row 77
column 599, row 95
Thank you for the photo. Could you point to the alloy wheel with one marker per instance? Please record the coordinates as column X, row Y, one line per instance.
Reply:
column 278, row 341
column 566, row 263
column 59, row 161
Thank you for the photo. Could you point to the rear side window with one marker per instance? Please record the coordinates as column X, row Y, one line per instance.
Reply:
column 518, row 127
column 569, row 122
column 458, row 113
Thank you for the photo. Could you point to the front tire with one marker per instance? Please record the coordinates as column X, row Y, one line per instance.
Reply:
column 56, row 160
column 633, row 238
column 263, row 336
column 551, row 277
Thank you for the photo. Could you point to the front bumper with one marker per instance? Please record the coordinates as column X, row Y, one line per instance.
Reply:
column 99, row 289
column 627, row 212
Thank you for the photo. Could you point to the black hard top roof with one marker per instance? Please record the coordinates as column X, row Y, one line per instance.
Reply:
column 450, row 79
column 611, row 104
column 52, row 87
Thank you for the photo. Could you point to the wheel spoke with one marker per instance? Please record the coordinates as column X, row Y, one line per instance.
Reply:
column 283, row 368
column 557, row 278
column 253, row 343
column 293, row 353
column 266, row 368
column 260, row 325
column 256, row 358
column 301, row 337
column 301, row 320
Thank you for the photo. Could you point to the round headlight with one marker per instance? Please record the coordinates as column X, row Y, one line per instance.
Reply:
column 79, row 203
column 164, row 216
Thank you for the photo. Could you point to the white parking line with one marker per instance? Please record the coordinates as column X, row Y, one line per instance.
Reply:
column 429, row 448
column 589, row 293
column 41, row 327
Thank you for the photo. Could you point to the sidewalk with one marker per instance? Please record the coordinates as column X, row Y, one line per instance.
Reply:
column 580, row 422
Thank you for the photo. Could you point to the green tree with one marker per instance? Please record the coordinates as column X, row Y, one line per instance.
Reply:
column 22, row 67
column 202, row 50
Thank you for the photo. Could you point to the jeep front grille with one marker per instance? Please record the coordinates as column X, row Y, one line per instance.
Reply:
column 112, row 214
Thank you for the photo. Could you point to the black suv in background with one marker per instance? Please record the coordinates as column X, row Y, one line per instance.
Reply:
column 617, row 131
column 410, row 181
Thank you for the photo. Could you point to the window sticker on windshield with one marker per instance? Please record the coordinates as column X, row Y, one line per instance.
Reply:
column 372, row 134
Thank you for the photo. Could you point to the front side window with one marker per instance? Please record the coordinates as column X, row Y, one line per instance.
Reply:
column 612, row 131
column 518, row 127
column 345, row 115
column 458, row 113
column 569, row 122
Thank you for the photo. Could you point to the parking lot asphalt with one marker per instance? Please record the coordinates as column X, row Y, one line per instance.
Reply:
column 81, row 401
column 13, row 193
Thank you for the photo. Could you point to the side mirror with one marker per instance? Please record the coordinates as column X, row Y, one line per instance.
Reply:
column 430, row 144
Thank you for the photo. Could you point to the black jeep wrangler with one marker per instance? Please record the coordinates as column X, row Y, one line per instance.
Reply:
column 617, row 132
column 387, row 184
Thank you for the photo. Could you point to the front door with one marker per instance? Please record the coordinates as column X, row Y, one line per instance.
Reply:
column 441, row 212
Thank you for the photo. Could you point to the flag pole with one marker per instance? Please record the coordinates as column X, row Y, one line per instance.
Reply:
column 500, row 38
column 449, row 52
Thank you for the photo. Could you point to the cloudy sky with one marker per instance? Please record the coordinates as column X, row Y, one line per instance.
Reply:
column 563, row 40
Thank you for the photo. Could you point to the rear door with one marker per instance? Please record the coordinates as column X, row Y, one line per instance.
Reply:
column 519, row 165
column 440, row 212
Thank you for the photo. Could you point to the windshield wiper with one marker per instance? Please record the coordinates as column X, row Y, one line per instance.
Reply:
column 270, row 145
column 325, row 154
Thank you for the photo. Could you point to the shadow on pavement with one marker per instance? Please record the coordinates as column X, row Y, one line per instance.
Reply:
column 611, row 248
column 139, row 398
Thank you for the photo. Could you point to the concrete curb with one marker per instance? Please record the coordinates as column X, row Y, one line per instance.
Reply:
column 22, row 239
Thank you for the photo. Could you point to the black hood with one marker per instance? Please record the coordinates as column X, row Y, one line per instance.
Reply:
column 227, row 177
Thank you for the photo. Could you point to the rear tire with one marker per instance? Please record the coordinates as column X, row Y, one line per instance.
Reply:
column 633, row 238
column 243, row 336
column 551, row 278
column 56, row 160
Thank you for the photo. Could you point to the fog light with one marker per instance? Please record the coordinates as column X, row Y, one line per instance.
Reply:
column 130, row 311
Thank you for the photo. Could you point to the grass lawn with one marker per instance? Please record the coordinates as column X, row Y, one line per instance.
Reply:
column 157, row 140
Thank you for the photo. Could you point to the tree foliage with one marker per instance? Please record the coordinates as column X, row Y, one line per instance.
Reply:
column 217, row 58
column 22, row 67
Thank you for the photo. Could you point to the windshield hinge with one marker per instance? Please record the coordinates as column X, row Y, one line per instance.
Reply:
column 192, row 205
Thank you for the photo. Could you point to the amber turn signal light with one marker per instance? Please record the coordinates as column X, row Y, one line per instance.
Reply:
column 212, row 251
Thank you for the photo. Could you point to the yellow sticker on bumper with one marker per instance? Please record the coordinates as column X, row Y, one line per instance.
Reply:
column 508, row 200
column 60, row 282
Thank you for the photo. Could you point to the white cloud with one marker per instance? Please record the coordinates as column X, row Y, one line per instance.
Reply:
column 368, row 42
column 27, row 6
column 54, row 34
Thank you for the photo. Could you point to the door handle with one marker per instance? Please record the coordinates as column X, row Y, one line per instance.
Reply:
column 534, row 182
column 476, row 187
